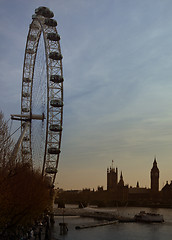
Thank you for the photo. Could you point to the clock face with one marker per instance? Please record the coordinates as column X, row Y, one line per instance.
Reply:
column 155, row 174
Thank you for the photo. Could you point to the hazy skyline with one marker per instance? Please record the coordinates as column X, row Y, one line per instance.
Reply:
column 117, row 63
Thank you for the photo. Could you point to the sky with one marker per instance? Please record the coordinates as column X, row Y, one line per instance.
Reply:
column 117, row 63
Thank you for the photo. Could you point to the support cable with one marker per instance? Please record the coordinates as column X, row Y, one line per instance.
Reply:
column 11, row 135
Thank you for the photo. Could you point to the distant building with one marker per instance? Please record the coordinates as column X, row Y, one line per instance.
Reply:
column 166, row 193
column 134, row 195
column 121, row 182
column 112, row 179
column 155, row 177
column 119, row 194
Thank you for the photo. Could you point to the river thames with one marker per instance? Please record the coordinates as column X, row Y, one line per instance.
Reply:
column 119, row 231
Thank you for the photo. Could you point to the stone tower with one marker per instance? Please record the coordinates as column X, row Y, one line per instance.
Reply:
column 155, row 177
column 112, row 179
column 121, row 181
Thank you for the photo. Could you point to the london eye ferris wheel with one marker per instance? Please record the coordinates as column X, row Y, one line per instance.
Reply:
column 42, row 95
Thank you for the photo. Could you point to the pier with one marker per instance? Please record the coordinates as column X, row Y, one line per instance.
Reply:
column 91, row 213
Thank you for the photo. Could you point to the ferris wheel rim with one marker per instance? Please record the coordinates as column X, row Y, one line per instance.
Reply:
column 54, row 117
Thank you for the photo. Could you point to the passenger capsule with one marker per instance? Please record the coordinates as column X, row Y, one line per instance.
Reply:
column 55, row 128
column 50, row 22
column 51, row 170
column 55, row 56
column 44, row 11
column 53, row 36
column 56, row 103
column 34, row 16
column 56, row 78
column 53, row 150
column 26, row 80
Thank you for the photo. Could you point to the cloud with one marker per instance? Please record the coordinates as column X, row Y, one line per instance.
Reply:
column 117, row 70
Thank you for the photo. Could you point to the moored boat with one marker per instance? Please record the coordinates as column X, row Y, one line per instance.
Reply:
column 148, row 217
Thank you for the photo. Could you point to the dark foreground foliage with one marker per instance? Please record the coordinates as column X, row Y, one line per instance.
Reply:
column 24, row 193
column 24, row 196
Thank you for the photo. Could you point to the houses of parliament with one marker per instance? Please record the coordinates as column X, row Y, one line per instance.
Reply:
column 119, row 194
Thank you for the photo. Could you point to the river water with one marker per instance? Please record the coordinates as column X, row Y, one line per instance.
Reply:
column 117, row 231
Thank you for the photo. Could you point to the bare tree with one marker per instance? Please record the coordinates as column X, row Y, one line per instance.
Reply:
column 6, row 142
column 24, row 193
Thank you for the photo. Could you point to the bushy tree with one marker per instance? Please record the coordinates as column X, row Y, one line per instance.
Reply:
column 24, row 196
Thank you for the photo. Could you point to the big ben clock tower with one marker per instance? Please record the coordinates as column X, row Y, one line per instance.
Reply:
column 155, row 177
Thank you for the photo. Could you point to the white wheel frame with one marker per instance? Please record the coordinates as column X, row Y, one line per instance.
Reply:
column 54, row 108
